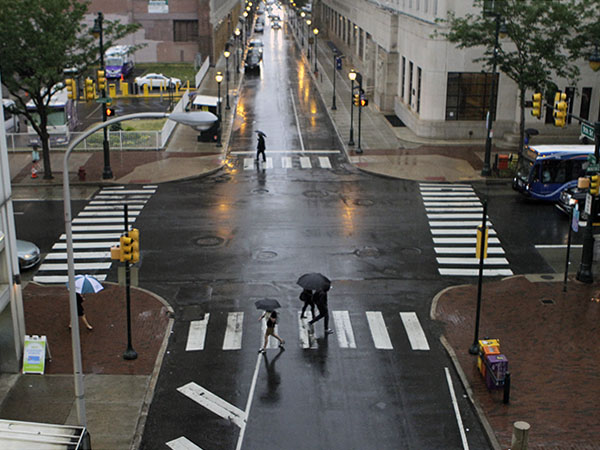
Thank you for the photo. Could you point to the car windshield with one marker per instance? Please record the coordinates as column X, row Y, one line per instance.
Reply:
column 523, row 168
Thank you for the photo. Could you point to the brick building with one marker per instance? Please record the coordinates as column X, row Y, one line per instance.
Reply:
column 173, row 31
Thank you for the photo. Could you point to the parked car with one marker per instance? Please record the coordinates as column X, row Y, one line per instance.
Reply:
column 275, row 25
column 253, row 58
column 29, row 254
column 259, row 27
column 154, row 80
column 256, row 44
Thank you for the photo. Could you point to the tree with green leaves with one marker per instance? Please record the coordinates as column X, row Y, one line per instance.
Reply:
column 39, row 39
column 541, row 41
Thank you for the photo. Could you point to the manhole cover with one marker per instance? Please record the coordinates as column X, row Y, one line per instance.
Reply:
column 410, row 251
column 363, row 202
column 315, row 194
column 260, row 191
column 265, row 254
column 209, row 241
column 367, row 252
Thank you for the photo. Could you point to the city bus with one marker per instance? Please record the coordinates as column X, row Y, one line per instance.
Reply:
column 118, row 61
column 545, row 171
column 62, row 117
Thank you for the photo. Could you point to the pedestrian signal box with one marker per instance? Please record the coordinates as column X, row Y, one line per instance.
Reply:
column 482, row 239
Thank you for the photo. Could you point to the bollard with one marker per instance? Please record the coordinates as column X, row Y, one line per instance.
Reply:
column 506, row 398
column 81, row 173
column 520, row 436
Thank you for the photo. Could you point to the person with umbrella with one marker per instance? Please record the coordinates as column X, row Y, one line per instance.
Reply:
column 260, row 146
column 85, row 284
column 321, row 284
column 270, row 315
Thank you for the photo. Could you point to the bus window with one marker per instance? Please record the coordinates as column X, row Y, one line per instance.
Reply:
column 553, row 172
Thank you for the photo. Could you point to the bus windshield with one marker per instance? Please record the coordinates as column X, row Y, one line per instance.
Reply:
column 114, row 61
column 56, row 117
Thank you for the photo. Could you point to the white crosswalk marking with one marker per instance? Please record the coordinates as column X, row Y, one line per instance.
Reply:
column 95, row 229
column 381, row 338
column 269, row 163
column 454, row 212
column 415, row 333
column 213, row 403
column 343, row 329
column 286, row 162
column 306, row 340
column 182, row 443
column 324, row 162
column 305, row 162
column 233, row 333
column 197, row 334
column 248, row 163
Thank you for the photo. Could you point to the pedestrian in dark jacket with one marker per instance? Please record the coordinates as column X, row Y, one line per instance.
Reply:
column 260, row 148
column 320, row 299
column 307, row 297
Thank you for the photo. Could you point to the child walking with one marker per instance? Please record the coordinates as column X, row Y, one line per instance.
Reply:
column 271, row 317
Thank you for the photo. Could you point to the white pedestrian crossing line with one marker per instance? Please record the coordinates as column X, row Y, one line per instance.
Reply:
column 415, row 333
column 305, row 162
column 213, row 403
column 454, row 212
column 197, row 334
column 286, row 162
column 324, row 162
column 343, row 329
column 95, row 230
column 379, row 333
column 182, row 443
column 233, row 332
column 306, row 341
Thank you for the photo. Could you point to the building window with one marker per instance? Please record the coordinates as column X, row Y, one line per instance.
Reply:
column 410, row 83
column 403, row 77
column 361, row 43
column 468, row 96
column 185, row 30
column 586, row 96
column 418, row 89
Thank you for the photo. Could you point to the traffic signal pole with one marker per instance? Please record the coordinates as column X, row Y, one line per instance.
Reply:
column 130, row 353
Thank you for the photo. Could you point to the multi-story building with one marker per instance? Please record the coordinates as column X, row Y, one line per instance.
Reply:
column 432, row 86
column 174, row 31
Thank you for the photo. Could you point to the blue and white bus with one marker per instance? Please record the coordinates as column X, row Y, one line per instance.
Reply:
column 544, row 171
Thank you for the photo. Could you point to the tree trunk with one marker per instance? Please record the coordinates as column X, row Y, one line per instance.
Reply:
column 46, row 157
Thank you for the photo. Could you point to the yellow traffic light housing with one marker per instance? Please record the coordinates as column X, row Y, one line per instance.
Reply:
column 89, row 89
column 101, row 79
column 134, row 235
column 126, row 248
column 356, row 100
column 537, row 105
column 560, row 109
column 71, row 88
column 594, row 184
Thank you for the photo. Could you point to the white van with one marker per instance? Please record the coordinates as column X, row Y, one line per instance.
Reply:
column 11, row 120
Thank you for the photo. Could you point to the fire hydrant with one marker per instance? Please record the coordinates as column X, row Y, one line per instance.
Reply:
column 81, row 173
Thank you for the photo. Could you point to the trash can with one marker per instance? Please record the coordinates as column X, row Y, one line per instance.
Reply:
column 503, row 161
column 496, row 368
column 486, row 347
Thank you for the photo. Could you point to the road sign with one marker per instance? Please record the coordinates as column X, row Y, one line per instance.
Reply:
column 587, row 130
column 104, row 100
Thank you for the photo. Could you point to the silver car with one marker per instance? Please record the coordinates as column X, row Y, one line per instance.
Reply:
column 29, row 254
column 154, row 80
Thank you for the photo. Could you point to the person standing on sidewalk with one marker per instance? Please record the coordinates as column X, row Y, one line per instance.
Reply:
column 320, row 299
column 271, row 317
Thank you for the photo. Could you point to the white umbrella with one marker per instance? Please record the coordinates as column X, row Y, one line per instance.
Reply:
column 86, row 284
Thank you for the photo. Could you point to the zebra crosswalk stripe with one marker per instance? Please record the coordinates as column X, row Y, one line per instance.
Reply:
column 197, row 334
column 324, row 162
column 233, row 332
column 379, row 333
column 305, row 162
column 415, row 333
column 182, row 443
column 343, row 328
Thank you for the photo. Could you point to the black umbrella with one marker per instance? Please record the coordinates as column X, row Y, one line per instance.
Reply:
column 314, row 281
column 260, row 133
column 268, row 304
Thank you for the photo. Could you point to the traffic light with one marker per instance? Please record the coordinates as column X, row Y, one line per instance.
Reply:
column 560, row 109
column 537, row 105
column 89, row 89
column 134, row 234
column 110, row 112
column 356, row 99
column 594, row 184
column 71, row 88
column 363, row 101
column 101, row 79
column 126, row 248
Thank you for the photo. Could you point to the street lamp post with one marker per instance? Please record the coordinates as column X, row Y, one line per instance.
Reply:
column 97, row 32
column 352, row 76
column 227, row 53
column 308, row 22
column 219, row 79
column 486, row 170
column 316, row 33
column 302, row 14
column 360, row 94
column 335, row 59
column 237, row 50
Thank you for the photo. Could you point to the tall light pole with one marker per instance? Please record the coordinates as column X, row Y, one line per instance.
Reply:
column 316, row 33
column 237, row 50
column 335, row 62
column 352, row 76
column 308, row 22
column 360, row 99
column 302, row 14
column 486, row 170
column 98, row 33
column 219, row 79
column 227, row 53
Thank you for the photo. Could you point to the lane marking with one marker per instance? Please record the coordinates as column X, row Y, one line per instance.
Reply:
column 77, row 228
column 286, row 162
column 61, row 279
column 113, row 213
column 213, row 403
column 324, row 162
column 473, row 241
column 96, row 219
column 461, row 428
column 458, row 232
column 269, row 162
column 249, row 403
column 475, row 272
column 297, row 120
column 415, row 333
column 63, row 245
column 467, row 251
column 233, row 332
column 444, row 186
column 305, row 338
column 455, row 209
column 78, row 266
column 248, row 163
column 426, row 195
column 343, row 329
column 305, row 162
column 113, row 208
column 454, row 216
column 379, row 333
column 557, row 246
column 472, row 261
column 466, row 198
column 78, row 255
column 453, row 204
column 182, row 443
column 252, row 152
column 197, row 334
column 456, row 223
